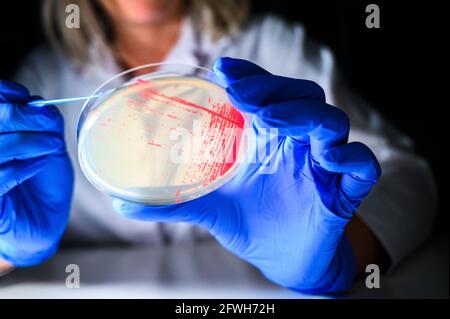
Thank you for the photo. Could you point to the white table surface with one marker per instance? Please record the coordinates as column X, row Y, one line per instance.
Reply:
column 204, row 271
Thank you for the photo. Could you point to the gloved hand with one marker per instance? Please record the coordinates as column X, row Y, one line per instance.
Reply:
column 289, row 224
column 36, row 178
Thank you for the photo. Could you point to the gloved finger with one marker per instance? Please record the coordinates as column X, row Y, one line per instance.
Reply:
column 252, row 93
column 27, row 145
column 194, row 212
column 230, row 69
column 322, row 125
column 359, row 167
column 16, row 172
column 16, row 117
column 11, row 92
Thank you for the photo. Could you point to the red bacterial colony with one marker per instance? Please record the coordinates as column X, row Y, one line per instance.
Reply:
column 221, row 129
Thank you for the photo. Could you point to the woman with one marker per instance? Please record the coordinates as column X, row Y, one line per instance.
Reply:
column 304, row 255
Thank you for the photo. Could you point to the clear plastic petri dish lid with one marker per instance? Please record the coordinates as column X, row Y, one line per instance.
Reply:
column 160, row 134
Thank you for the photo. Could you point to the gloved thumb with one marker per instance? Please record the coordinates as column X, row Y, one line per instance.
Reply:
column 195, row 212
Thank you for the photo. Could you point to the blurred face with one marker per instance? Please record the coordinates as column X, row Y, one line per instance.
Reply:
column 140, row 11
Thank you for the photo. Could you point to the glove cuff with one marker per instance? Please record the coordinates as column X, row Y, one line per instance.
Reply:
column 340, row 274
column 344, row 264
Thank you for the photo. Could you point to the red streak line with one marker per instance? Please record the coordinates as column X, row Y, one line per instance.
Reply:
column 176, row 99
column 154, row 144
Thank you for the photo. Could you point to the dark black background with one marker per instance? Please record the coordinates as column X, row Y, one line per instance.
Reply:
column 401, row 68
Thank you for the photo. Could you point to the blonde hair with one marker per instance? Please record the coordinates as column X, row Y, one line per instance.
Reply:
column 216, row 17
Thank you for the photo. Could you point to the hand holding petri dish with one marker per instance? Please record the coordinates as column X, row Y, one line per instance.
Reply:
column 161, row 137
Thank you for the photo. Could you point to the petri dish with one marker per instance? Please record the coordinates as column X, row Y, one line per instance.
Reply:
column 160, row 134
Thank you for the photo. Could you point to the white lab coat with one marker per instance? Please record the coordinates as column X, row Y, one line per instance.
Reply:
column 399, row 210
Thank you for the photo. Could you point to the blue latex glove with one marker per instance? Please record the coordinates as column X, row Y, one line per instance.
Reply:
column 289, row 224
column 36, row 178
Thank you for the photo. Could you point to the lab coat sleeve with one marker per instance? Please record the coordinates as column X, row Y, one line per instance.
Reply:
column 401, row 207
